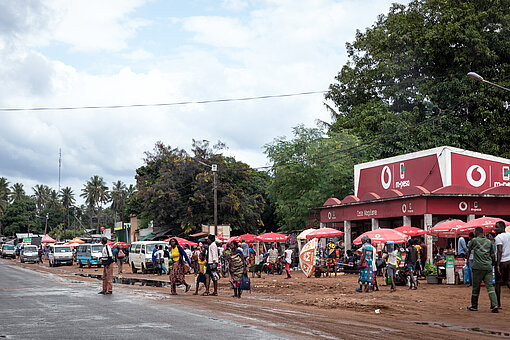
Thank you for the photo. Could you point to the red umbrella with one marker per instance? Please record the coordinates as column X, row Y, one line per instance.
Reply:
column 233, row 238
column 47, row 239
column 411, row 231
column 273, row 237
column 447, row 229
column 248, row 238
column 325, row 233
column 487, row 223
column 383, row 235
column 182, row 241
column 121, row 245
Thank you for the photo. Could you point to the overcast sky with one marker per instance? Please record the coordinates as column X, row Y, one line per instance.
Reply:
column 118, row 52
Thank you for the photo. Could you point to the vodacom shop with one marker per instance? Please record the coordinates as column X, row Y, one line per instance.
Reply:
column 422, row 189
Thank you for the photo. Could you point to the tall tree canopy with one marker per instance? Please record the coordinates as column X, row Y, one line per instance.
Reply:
column 405, row 88
column 175, row 189
column 307, row 170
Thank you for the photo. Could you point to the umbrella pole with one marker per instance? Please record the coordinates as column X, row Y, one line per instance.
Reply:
column 257, row 257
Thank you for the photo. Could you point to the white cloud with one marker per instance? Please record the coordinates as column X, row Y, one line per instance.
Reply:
column 280, row 47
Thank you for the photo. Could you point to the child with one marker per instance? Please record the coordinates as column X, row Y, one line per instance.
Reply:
column 201, row 271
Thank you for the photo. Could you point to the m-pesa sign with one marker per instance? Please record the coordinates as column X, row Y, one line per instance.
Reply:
column 479, row 173
column 432, row 169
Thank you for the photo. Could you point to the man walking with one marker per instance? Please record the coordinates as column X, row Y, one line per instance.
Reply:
column 502, row 259
column 107, row 259
column 288, row 260
column 392, row 263
column 483, row 259
column 212, row 266
column 411, row 259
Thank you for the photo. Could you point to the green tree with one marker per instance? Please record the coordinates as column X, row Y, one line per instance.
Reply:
column 307, row 170
column 118, row 195
column 4, row 199
column 95, row 192
column 42, row 195
column 20, row 216
column 175, row 189
column 67, row 198
column 404, row 87
column 17, row 192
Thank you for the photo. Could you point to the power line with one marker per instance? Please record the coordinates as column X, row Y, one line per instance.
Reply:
column 68, row 108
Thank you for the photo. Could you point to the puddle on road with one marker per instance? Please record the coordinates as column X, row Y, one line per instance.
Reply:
column 130, row 281
column 470, row 329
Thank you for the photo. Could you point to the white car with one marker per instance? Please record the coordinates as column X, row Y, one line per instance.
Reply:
column 60, row 254
column 8, row 251
column 29, row 253
column 140, row 255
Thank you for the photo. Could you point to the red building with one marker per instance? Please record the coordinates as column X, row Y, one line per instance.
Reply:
column 421, row 189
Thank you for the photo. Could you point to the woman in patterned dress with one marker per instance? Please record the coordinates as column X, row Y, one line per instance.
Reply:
column 366, row 274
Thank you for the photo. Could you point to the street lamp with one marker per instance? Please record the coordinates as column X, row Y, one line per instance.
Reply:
column 214, row 169
column 477, row 77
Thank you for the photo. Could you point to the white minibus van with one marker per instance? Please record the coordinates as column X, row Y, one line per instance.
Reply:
column 140, row 255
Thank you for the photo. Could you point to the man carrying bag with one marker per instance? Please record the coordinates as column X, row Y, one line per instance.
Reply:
column 107, row 261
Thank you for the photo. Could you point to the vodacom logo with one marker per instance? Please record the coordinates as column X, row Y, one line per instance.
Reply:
column 386, row 173
column 471, row 180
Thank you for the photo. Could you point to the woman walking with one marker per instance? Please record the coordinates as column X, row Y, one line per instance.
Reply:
column 178, row 256
column 237, row 268
column 366, row 272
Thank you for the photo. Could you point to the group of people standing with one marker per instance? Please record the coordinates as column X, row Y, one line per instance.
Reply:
column 370, row 263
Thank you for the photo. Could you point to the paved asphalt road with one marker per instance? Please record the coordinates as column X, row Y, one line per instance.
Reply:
column 37, row 305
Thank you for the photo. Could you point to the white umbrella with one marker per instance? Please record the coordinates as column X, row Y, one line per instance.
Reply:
column 302, row 236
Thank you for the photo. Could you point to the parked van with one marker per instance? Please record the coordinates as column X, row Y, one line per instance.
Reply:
column 8, row 251
column 60, row 254
column 140, row 255
column 89, row 254
column 29, row 253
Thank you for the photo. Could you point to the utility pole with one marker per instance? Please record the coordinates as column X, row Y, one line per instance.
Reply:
column 74, row 221
column 214, row 169
column 46, row 225
column 59, row 166
column 122, row 216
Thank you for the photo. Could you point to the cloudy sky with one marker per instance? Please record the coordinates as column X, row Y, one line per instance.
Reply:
column 58, row 53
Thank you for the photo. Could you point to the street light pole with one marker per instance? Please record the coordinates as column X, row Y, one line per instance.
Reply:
column 214, row 168
column 477, row 77
column 46, row 225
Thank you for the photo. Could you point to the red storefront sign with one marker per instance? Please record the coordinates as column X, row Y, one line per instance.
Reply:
column 436, row 205
column 381, row 209
column 479, row 174
column 420, row 171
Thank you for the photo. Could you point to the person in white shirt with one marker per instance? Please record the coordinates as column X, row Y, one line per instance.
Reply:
column 160, row 260
column 211, row 272
column 107, row 258
column 502, row 267
column 288, row 260
column 392, row 263
column 188, row 251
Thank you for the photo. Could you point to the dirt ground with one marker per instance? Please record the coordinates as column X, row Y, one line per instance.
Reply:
column 329, row 307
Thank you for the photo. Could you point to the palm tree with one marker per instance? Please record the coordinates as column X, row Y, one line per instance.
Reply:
column 118, row 194
column 17, row 192
column 67, row 197
column 95, row 193
column 53, row 200
column 42, row 194
column 4, row 198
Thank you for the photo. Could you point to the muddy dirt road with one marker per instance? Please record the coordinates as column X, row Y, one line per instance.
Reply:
column 318, row 308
